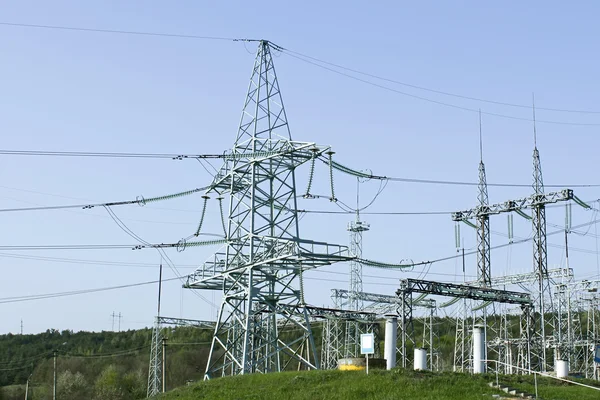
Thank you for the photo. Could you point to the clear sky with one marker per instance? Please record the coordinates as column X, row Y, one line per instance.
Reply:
column 74, row 90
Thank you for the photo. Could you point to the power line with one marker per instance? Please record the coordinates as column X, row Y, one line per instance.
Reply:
column 89, row 262
column 26, row 360
column 376, row 264
column 171, row 156
column 141, row 201
column 124, row 32
column 292, row 53
column 354, row 172
column 116, row 354
column 18, row 299
column 442, row 103
column 501, row 103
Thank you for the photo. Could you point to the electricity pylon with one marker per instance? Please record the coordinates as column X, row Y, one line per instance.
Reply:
column 354, row 328
column 262, row 324
column 462, row 344
column 540, row 261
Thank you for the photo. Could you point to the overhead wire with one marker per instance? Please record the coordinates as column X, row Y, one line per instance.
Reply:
column 139, row 201
column 384, row 265
column 172, row 156
column 354, row 172
column 302, row 56
column 501, row 103
column 125, row 32
column 108, row 355
column 161, row 251
column 18, row 299
column 438, row 102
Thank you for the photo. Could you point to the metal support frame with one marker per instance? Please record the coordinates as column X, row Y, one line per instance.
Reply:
column 156, row 367
column 409, row 286
column 353, row 328
column 260, row 272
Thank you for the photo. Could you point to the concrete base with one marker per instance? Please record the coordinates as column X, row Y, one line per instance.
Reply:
column 359, row 364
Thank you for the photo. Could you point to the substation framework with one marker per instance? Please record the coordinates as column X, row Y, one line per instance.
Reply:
column 156, row 367
column 260, row 269
column 410, row 286
column 555, row 331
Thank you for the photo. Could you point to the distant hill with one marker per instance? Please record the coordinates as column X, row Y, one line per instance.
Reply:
column 96, row 365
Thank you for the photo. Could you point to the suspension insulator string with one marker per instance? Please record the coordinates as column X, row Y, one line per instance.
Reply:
column 330, row 155
column 307, row 195
column 222, row 215
column 205, row 197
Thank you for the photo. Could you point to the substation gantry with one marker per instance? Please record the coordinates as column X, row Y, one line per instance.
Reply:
column 410, row 286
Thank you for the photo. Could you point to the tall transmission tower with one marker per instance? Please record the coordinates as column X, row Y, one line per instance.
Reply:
column 355, row 302
column 462, row 344
column 540, row 259
column 484, row 271
column 156, row 351
column 263, row 324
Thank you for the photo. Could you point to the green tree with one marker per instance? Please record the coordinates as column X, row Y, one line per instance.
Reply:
column 108, row 385
column 71, row 386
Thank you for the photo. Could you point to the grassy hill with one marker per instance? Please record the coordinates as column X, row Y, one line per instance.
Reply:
column 381, row 385
column 96, row 365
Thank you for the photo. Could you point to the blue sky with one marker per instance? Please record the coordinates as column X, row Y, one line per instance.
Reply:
column 73, row 90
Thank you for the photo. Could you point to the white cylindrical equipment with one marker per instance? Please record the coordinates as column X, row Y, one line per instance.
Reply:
column 391, row 334
column 562, row 368
column 420, row 363
column 479, row 349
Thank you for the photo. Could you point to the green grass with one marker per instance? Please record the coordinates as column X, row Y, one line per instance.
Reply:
column 551, row 389
column 333, row 385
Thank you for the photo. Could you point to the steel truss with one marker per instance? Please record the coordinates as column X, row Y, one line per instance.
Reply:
column 353, row 328
column 260, row 271
column 410, row 286
column 383, row 305
column 573, row 343
column 156, row 367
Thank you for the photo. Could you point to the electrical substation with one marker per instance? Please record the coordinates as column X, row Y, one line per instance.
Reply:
column 539, row 321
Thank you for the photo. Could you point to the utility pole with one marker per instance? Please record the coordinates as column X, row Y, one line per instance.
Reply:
column 27, row 385
column 21, row 326
column 164, row 364
column 54, row 380
column 118, row 316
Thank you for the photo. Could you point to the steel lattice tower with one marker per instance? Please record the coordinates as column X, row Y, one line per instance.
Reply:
column 462, row 344
column 155, row 367
column 484, row 272
column 355, row 302
column 540, row 261
column 260, row 270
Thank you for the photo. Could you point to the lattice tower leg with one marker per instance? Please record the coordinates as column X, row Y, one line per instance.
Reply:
column 463, row 339
column 405, row 331
column 155, row 367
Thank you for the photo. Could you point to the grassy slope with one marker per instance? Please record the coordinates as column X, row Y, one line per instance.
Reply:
column 334, row 385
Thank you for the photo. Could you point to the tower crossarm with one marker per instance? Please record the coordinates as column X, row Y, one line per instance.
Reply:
column 186, row 322
column 379, row 299
column 584, row 285
column 287, row 254
column 529, row 277
column 534, row 200
column 408, row 286
column 238, row 163
column 337, row 313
